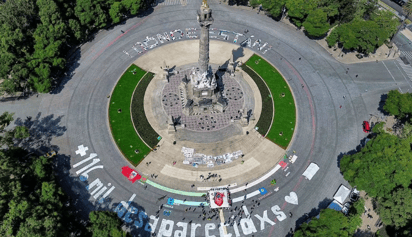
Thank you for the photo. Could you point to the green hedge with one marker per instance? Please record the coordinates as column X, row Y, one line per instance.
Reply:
column 285, row 111
column 266, row 116
column 143, row 127
column 120, row 123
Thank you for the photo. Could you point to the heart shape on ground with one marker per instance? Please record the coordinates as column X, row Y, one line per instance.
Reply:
column 292, row 198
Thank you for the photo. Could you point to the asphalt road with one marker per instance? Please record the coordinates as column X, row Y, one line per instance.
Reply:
column 332, row 101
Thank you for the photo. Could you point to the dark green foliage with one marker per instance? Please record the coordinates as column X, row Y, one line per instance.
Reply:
column 316, row 24
column 31, row 204
column 381, row 166
column 299, row 9
column 397, row 209
column 37, row 34
column 361, row 25
column 267, row 103
column 274, row 7
column 398, row 104
column 121, row 124
column 330, row 223
column 143, row 127
column 364, row 35
column 105, row 224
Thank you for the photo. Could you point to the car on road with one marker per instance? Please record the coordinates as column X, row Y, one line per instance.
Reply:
column 366, row 126
column 131, row 174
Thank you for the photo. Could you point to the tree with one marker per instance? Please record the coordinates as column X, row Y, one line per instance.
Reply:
column 274, row 7
column 105, row 223
column 299, row 9
column 116, row 12
column 396, row 210
column 381, row 166
column 330, row 223
column 133, row 6
column 7, row 136
column 316, row 24
column 398, row 104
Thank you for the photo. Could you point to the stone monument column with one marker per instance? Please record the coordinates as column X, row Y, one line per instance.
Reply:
column 205, row 19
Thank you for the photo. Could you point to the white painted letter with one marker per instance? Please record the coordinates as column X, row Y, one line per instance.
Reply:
column 248, row 226
column 183, row 232
column 151, row 227
column 166, row 228
column 209, row 226
column 222, row 232
column 193, row 228
column 264, row 219
column 94, row 183
column 236, row 229
column 278, row 213
column 92, row 155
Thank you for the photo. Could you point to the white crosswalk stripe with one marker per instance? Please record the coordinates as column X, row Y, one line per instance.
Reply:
column 169, row 2
column 407, row 54
column 407, row 68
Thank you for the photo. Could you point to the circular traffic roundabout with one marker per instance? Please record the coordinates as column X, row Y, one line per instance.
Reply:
column 177, row 151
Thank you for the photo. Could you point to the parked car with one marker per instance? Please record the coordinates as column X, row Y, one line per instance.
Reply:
column 131, row 174
column 400, row 2
column 354, row 196
column 366, row 126
column 346, row 207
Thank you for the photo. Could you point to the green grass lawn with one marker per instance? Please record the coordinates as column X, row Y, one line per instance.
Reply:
column 120, row 123
column 284, row 120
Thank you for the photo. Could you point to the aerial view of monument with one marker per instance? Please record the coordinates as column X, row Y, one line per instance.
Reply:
column 205, row 118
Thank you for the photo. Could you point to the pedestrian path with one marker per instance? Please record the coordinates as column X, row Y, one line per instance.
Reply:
column 170, row 2
column 407, row 68
column 170, row 190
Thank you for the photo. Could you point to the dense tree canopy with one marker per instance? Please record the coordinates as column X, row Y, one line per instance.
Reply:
column 397, row 209
column 37, row 34
column 105, row 223
column 358, row 24
column 316, row 24
column 383, row 168
column 31, row 201
column 332, row 223
column 398, row 104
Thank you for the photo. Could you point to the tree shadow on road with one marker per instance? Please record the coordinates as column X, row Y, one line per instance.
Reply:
column 312, row 214
column 382, row 103
column 42, row 130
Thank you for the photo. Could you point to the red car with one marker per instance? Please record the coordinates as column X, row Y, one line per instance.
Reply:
column 130, row 174
column 366, row 127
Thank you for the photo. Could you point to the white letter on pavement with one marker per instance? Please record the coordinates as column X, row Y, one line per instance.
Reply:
column 151, row 227
column 222, row 232
column 209, row 226
column 248, row 226
column 278, row 213
column 193, row 228
column 264, row 219
column 236, row 229
column 183, row 232
column 166, row 228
